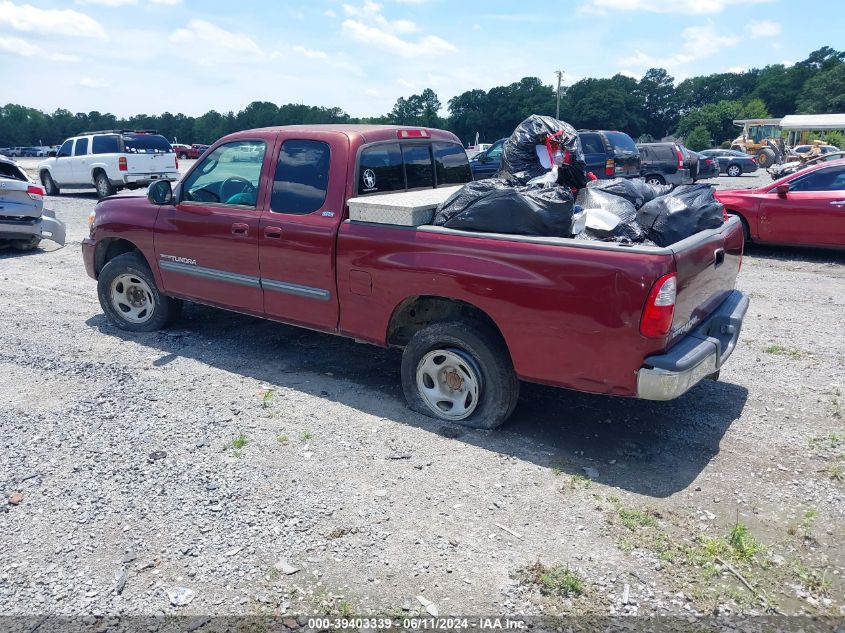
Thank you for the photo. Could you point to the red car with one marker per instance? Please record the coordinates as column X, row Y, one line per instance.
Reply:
column 475, row 312
column 806, row 208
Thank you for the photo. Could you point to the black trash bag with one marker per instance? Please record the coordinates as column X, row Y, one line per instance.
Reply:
column 627, row 229
column 685, row 211
column 519, row 155
column 493, row 206
column 635, row 190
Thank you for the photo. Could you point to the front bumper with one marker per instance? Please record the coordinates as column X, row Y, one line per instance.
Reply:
column 45, row 227
column 89, row 250
column 700, row 354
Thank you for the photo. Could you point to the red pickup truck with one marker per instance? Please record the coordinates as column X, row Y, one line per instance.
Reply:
column 475, row 312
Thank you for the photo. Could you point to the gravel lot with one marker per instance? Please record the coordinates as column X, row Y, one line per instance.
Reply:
column 265, row 469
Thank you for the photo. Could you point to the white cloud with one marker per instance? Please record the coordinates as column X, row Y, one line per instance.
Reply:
column 739, row 70
column 310, row 52
column 631, row 74
column 170, row 3
column 763, row 28
column 30, row 19
column 108, row 3
column 88, row 82
column 329, row 13
column 691, row 7
column 476, row 27
column 367, row 25
column 202, row 33
column 699, row 42
column 18, row 46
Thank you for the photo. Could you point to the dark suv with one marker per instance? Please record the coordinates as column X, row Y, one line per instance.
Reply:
column 666, row 163
column 610, row 154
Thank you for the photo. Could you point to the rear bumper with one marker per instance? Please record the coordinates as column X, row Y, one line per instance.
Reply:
column 698, row 355
column 146, row 179
column 45, row 227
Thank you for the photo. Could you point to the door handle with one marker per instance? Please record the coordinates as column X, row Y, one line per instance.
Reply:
column 240, row 229
column 272, row 232
column 838, row 203
column 719, row 257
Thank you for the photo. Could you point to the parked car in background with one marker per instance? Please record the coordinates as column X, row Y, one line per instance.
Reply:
column 806, row 208
column 487, row 163
column 24, row 221
column 197, row 150
column 784, row 169
column 707, row 167
column 109, row 161
column 610, row 154
column 806, row 149
column 182, row 150
column 732, row 162
column 664, row 164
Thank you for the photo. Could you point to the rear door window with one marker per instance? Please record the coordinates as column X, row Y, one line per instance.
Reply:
column 665, row 153
column 381, row 169
column 591, row 144
column 418, row 167
column 81, row 147
column 105, row 144
column 302, row 177
column 451, row 164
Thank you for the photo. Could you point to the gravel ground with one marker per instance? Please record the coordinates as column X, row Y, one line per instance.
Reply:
column 236, row 466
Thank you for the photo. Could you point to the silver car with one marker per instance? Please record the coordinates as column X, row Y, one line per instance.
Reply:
column 24, row 221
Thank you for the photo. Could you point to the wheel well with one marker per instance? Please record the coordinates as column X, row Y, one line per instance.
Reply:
column 109, row 248
column 746, row 229
column 414, row 313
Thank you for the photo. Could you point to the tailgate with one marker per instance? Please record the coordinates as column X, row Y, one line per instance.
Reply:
column 707, row 265
column 150, row 163
column 15, row 202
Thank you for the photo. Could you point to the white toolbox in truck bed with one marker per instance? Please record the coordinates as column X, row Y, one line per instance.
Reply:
column 406, row 208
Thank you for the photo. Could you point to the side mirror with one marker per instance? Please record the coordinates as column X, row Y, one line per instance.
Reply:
column 52, row 153
column 783, row 190
column 160, row 192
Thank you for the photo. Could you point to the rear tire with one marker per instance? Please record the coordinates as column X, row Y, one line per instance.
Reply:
column 103, row 185
column 734, row 171
column 654, row 179
column 50, row 187
column 460, row 372
column 31, row 245
column 130, row 298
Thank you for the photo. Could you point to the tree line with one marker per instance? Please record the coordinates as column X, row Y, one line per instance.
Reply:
column 699, row 109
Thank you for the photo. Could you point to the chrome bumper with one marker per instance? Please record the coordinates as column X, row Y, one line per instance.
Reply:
column 700, row 354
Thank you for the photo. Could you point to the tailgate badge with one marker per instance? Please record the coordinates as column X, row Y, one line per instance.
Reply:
column 328, row 214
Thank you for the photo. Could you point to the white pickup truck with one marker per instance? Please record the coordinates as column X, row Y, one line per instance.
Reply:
column 109, row 161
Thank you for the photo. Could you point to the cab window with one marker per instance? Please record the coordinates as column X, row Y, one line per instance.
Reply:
column 451, row 164
column 418, row 169
column 495, row 151
column 381, row 169
column 302, row 177
column 228, row 175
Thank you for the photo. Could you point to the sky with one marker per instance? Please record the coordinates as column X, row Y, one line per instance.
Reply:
column 151, row 56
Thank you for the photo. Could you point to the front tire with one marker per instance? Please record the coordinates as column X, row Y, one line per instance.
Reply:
column 103, row 186
column 734, row 171
column 50, row 186
column 130, row 298
column 766, row 158
column 460, row 372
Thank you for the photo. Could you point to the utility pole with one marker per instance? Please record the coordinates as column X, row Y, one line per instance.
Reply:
column 559, row 74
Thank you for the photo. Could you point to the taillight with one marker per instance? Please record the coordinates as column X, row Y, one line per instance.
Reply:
column 121, row 163
column 610, row 167
column 412, row 134
column 659, row 307
column 35, row 192
column 680, row 157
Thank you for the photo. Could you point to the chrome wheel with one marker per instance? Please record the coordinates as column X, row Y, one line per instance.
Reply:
column 132, row 298
column 734, row 171
column 449, row 382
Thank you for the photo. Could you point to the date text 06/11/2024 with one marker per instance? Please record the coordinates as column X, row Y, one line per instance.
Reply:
column 423, row 624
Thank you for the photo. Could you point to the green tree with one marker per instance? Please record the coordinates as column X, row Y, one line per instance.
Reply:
column 656, row 91
column 825, row 92
column 698, row 139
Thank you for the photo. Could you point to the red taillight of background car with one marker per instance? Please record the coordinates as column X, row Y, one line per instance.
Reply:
column 610, row 167
column 35, row 192
column 680, row 156
column 659, row 307
column 121, row 163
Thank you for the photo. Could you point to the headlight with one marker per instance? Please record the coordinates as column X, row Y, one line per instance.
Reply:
column 91, row 217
